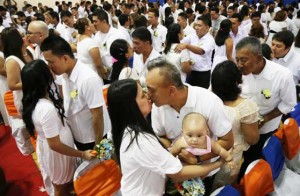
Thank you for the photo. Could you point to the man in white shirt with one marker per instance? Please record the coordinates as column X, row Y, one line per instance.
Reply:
column 237, row 33
column 143, row 51
column 157, row 31
column 268, row 84
column 284, row 53
column 173, row 100
column 167, row 4
column 124, row 27
column 36, row 33
column 29, row 11
column 216, row 20
column 200, row 47
column 105, row 36
column 81, row 9
column 84, row 104
column 230, row 11
column 182, row 21
column 70, row 34
column 57, row 25
column 256, row 18
column 5, row 16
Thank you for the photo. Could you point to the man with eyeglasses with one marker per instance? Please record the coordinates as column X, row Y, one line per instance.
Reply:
column 37, row 32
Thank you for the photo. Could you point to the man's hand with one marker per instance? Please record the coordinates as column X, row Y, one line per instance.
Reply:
column 187, row 157
column 180, row 47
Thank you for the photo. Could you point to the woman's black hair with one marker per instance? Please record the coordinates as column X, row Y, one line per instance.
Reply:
column 266, row 51
column 125, row 113
column 223, row 32
column 118, row 50
column 172, row 36
column 225, row 80
column 37, row 83
column 12, row 43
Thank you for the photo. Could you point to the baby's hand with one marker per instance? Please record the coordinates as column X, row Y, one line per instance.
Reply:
column 229, row 156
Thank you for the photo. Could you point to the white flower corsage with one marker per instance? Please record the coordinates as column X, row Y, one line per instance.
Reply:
column 74, row 94
column 267, row 93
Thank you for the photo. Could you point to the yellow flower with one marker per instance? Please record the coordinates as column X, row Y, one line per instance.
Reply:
column 267, row 93
column 155, row 33
column 73, row 94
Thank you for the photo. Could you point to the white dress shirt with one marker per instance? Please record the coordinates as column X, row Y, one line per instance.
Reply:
column 279, row 81
column 158, row 35
column 207, row 43
column 291, row 61
column 140, row 66
column 105, row 40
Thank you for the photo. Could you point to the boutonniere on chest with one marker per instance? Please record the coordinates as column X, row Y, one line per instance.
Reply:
column 74, row 94
column 266, row 93
column 155, row 33
column 104, row 45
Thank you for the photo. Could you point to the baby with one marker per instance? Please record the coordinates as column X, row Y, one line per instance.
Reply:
column 194, row 138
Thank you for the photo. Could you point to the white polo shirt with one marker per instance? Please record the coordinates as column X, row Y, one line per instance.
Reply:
column 168, row 122
column 140, row 66
column 206, row 43
column 188, row 30
column 145, row 165
column 126, row 33
column 240, row 35
column 105, row 40
column 83, row 91
column 279, row 81
column 291, row 61
column 158, row 35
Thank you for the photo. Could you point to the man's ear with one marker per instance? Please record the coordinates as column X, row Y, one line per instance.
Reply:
column 172, row 90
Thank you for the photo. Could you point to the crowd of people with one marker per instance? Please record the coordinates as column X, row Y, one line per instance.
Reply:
column 196, row 87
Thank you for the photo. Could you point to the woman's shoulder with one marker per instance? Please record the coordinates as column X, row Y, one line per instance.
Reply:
column 44, row 106
column 128, row 72
column 247, row 107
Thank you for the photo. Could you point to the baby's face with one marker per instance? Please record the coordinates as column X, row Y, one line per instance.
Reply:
column 194, row 137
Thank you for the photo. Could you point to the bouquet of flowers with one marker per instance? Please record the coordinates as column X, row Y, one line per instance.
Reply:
column 105, row 149
column 192, row 187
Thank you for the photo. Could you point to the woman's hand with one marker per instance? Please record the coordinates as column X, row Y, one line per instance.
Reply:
column 88, row 154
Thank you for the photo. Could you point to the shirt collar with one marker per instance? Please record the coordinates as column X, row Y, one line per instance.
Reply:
column 287, row 56
column 75, row 72
column 267, row 70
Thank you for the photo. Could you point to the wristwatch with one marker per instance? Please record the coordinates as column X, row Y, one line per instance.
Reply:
column 260, row 119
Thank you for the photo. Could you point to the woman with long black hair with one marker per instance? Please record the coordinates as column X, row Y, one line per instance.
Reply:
column 182, row 59
column 43, row 112
column 224, row 44
column 143, row 160
column 122, row 53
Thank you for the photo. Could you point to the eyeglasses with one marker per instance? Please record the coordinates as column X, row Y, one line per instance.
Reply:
column 31, row 33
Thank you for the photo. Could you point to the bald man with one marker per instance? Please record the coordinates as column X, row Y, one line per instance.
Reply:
column 36, row 33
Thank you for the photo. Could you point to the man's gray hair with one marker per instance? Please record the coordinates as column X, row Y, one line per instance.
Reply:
column 252, row 43
column 167, row 69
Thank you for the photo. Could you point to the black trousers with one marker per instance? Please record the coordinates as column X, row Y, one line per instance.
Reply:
column 253, row 153
column 199, row 78
column 85, row 146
